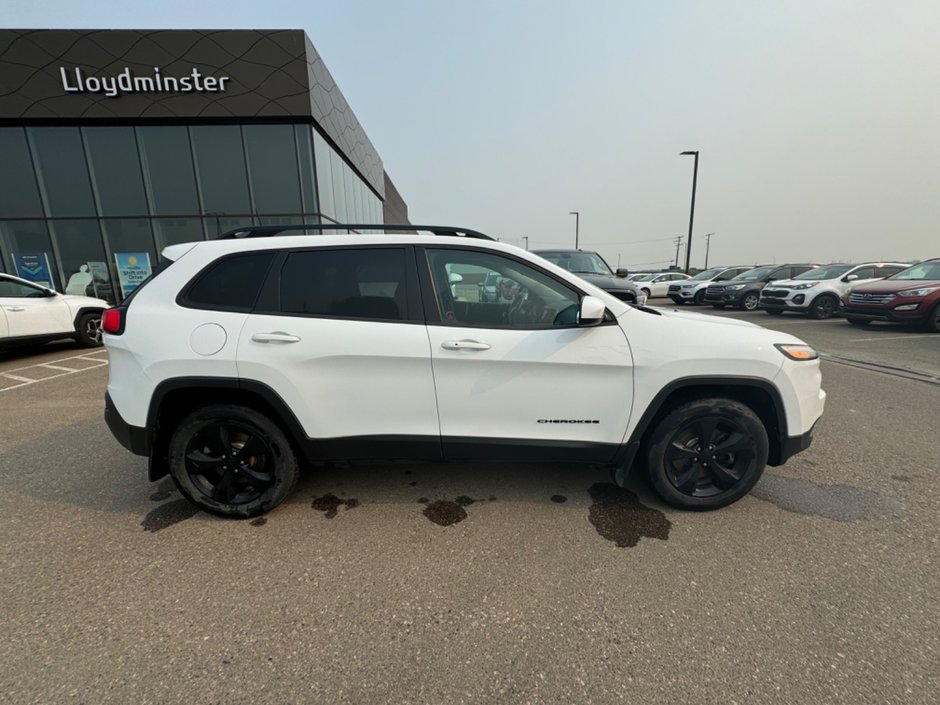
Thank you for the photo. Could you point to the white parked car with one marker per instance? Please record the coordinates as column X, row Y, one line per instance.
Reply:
column 692, row 291
column 245, row 356
column 819, row 291
column 30, row 313
column 656, row 285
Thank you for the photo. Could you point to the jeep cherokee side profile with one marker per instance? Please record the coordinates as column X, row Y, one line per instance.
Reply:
column 245, row 356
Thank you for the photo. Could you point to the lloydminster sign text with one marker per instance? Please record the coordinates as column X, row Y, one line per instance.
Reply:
column 76, row 81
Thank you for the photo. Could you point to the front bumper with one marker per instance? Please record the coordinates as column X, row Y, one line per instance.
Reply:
column 791, row 445
column 792, row 301
column 886, row 314
column 136, row 439
column 732, row 298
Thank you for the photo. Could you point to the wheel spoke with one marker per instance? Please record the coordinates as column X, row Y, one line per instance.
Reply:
column 222, row 491
column 723, row 476
column 221, row 436
column 687, row 481
column 258, row 479
column 734, row 443
column 200, row 463
column 706, row 427
column 254, row 446
column 677, row 451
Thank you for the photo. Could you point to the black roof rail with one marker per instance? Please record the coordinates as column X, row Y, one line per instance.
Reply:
column 271, row 230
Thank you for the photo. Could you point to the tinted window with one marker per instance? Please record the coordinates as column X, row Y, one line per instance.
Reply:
column 232, row 283
column 348, row 283
column 19, row 196
column 115, row 168
column 523, row 296
column 62, row 170
column 782, row 273
column 887, row 271
column 867, row 273
column 168, row 166
column 272, row 160
column 14, row 289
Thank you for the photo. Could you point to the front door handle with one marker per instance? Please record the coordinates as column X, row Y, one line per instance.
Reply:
column 464, row 345
column 275, row 337
column 15, row 308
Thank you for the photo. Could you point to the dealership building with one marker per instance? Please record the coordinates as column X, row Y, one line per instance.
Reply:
column 117, row 143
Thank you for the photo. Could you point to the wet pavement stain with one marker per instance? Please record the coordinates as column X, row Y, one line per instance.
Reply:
column 445, row 513
column 330, row 503
column 163, row 491
column 260, row 521
column 168, row 514
column 558, row 498
column 464, row 501
column 836, row 502
column 618, row 516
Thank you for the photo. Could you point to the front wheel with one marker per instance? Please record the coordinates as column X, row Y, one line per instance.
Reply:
column 750, row 302
column 932, row 322
column 706, row 453
column 88, row 330
column 232, row 461
column 824, row 307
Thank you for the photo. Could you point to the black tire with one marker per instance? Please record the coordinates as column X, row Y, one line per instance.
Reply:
column 699, row 298
column 211, row 468
column 824, row 306
column 774, row 311
column 677, row 463
column 932, row 322
column 88, row 330
column 750, row 302
column 858, row 322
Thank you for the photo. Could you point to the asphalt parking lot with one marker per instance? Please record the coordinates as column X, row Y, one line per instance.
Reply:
column 820, row 587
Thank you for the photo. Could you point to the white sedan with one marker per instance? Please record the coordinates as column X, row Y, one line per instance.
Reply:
column 30, row 313
column 657, row 284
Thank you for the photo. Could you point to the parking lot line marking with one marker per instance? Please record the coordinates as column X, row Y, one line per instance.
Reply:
column 82, row 356
column 56, row 367
column 18, row 378
column 885, row 337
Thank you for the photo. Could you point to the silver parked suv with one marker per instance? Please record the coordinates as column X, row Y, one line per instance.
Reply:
column 819, row 291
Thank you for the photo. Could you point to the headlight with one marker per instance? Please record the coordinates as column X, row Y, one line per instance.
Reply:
column 798, row 352
column 919, row 292
column 801, row 287
column 735, row 287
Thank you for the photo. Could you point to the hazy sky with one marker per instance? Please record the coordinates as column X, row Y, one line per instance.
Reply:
column 817, row 120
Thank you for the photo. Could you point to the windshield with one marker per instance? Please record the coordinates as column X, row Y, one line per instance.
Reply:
column 925, row 271
column 578, row 262
column 707, row 274
column 831, row 271
column 754, row 274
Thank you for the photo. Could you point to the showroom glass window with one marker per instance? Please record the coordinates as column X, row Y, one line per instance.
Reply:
column 168, row 170
column 272, row 159
column 62, row 171
column 114, row 163
column 221, row 170
column 19, row 193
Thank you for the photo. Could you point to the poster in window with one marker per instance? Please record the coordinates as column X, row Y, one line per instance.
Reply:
column 133, row 268
column 33, row 267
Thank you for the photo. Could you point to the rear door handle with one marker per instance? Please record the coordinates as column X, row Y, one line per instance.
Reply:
column 14, row 308
column 275, row 337
column 464, row 345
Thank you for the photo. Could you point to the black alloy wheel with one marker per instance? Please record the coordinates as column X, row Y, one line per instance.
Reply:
column 707, row 453
column 823, row 307
column 232, row 461
column 88, row 330
column 750, row 302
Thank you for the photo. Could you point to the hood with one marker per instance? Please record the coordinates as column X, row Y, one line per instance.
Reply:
column 604, row 281
column 77, row 302
column 892, row 286
column 678, row 315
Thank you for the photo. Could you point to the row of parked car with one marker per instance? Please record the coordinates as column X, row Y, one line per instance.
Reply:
column 872, row 291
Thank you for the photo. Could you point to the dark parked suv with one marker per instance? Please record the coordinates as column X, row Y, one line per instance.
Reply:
column 594, row 269
column 910, row 296
column 744, row 290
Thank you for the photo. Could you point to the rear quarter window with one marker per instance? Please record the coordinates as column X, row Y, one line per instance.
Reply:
column 229, row 284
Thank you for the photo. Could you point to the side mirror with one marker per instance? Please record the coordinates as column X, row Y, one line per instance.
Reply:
column 850, row 277
column 623, row 272
column 50, row 293
column 592, row 311
column 454, row 278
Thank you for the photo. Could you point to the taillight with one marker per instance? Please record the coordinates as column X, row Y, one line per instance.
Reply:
column 111, row 321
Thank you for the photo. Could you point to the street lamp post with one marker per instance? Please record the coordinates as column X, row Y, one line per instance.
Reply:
column 708, row 242
column 526, row 238
column 688, row 244
column 577, row 219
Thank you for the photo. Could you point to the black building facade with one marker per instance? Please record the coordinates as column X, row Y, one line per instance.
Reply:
column 117, row 143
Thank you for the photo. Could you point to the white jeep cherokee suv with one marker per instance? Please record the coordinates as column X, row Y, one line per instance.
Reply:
column 245, row 356
column 819, row 291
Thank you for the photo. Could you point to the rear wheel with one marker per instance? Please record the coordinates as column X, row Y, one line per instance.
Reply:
column 932, row 322
column 706, row 453
column 858, row 322
column 750, row 302
column 647, row 292
column 88, row 329
column 232, row 461
column 823, row 306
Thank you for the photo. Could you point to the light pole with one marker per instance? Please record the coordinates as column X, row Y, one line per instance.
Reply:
column 708, row 242
column 577, row 220
column 526, row 238
column 688, row 244
column 678, row 245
